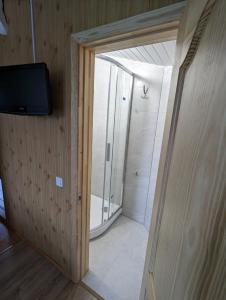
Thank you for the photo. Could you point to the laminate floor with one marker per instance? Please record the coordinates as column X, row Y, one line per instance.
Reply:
column 26, row 275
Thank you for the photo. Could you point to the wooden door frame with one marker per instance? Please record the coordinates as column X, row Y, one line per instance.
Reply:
column 151, row 27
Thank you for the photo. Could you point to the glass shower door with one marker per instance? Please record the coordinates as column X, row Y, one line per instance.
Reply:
column 121, row 123
column 117, row 131
column 109, row 141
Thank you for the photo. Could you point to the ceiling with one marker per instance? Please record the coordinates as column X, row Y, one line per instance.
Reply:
column 159, row 54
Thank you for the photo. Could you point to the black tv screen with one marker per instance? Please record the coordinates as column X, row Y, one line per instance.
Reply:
column 24, row 89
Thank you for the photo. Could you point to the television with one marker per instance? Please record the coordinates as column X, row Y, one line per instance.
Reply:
column 25, row 89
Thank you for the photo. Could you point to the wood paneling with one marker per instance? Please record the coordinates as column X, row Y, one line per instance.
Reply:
column 161, row 178
column 190, row 263
column 158, row 54
column 33, row 150
column 130, row 25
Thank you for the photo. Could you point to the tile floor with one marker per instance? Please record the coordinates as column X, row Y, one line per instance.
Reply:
column 117, row 261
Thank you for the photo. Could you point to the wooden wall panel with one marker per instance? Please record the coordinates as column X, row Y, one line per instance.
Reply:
column 33, row 150
column 158, row 204
column 190, row 263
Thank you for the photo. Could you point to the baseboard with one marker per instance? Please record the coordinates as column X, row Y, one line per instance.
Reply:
column 91, row 291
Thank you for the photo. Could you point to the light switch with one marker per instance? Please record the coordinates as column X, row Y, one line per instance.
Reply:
column 59, row 182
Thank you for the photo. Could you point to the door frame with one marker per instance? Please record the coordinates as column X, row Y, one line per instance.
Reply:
column 151, row 27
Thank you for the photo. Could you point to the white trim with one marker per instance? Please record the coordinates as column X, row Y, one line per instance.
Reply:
column 159, row 16
column 102, row 228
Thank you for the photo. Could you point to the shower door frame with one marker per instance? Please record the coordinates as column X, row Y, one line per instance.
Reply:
column 105, row 224
column 152, row 27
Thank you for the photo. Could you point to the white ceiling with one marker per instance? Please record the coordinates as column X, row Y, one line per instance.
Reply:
column 159, row 54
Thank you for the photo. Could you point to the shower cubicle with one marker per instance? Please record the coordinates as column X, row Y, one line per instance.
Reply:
column 112, row 105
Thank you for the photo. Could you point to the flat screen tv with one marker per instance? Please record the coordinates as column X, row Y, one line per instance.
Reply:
column 25, row 89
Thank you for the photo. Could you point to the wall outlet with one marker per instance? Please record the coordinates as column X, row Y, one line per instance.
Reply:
column 59, row 182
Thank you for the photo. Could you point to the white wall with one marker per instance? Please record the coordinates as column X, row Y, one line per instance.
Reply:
column 158, row 143
column 145, row 139
column 141, row 140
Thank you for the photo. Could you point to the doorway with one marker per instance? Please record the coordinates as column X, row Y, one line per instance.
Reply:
column 131, row 88
column 149, row 28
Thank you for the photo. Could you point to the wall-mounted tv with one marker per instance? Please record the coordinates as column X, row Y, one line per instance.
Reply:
column 25, row 89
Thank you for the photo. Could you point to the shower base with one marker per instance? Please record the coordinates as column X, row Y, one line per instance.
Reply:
column 96, row 225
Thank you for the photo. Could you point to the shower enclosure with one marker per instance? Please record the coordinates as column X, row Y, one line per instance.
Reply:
column 112, row 105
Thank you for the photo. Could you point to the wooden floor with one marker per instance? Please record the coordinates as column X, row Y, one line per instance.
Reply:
column 25, row 275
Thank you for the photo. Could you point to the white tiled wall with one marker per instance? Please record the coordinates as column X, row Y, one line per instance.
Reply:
column 143, row 125
column 158, row 143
